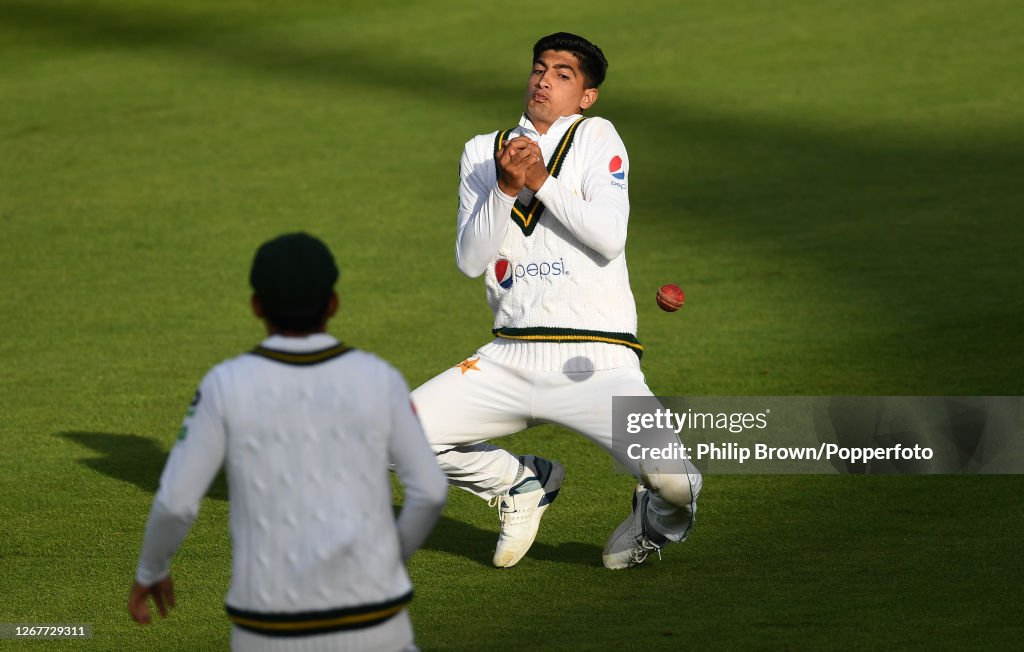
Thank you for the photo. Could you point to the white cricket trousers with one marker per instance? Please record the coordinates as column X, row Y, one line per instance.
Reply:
column 508, row 386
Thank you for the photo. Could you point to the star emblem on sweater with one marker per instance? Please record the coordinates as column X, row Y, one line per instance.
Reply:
column 468, row 364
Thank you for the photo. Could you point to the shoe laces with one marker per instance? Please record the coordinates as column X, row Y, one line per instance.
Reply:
column 506, row 505
column 644, row 547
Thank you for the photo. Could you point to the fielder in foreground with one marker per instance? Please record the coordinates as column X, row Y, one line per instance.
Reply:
column 306, row 429
column 550, row 239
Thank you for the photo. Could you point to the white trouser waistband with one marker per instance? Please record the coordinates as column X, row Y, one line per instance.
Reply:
column 565, row 357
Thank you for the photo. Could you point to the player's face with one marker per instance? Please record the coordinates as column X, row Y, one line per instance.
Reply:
column 556, row 88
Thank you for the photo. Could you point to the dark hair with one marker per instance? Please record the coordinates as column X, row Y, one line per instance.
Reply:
column 593, row 65
column 296, row 319
column 294, row 275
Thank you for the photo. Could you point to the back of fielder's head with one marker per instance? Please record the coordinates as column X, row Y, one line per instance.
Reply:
column 293, row 276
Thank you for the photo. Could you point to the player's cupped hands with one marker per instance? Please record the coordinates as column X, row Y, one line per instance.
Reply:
column 514, row 158
column 536, row 172
column 138, row 601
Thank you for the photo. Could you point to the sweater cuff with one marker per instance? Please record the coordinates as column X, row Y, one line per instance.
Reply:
column 500, row 194
column 547, row 189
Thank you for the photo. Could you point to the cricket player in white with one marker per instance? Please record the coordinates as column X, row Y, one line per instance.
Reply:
column 543, row 210
column 306, row 429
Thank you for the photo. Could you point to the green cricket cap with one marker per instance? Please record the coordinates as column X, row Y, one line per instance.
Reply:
column 294, row 270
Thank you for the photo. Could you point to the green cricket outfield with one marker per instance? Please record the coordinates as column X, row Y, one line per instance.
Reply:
column 837, row 186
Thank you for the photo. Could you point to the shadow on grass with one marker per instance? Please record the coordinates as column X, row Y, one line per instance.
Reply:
column 229, row 38
column 477, row 544
column 131, row 458
column 139, row 461
column 898, row 216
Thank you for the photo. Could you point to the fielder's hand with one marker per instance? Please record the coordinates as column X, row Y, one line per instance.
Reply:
column 162, row 593
column 537, row 173
column 513, row 159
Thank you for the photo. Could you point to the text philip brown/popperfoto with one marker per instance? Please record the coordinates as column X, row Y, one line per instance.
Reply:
column 737, row 422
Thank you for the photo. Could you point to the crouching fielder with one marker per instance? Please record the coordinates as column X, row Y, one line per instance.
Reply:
column 306, row 429
column 543, row 209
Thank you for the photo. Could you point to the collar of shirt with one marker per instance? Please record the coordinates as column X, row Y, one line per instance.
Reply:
column 314, row 342
column 557, row 128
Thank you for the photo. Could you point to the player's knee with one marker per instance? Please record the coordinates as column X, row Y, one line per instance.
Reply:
column 677, row 488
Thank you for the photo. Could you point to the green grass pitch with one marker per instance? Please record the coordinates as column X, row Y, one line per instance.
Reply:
column 836, row 185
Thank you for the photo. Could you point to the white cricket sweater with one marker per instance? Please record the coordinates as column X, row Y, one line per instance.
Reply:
column 557, row 275
column 306, row 430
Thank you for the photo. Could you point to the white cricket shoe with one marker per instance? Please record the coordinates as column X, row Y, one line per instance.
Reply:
column 521, row 508
column 632, row 542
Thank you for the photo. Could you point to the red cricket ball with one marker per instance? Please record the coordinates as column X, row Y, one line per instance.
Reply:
column 670, row 297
